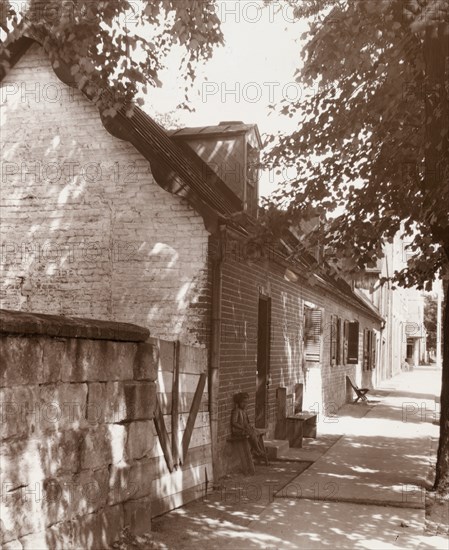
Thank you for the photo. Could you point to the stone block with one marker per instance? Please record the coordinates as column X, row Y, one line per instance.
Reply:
column 62, row 407
column 140, row 400
column 97, row 530
column 34, row 541
column 57, row 357
column 112, row 402
column 106, row 403
column 20, row 462
column 18, row 415
column 37, row 503
column 21, row 361
column 103, row 445
column 89, row 491
column 32, row 508
column 130, row 482
column 20, row 514
column 6, row 535
column 120, row 357
column 51, row 499
column 61, row 452
column 56, row 537
column 137, row 515
column 140, row 439
column 146, row 362
column 98, row 360
column 75, row 369
column 12, row 545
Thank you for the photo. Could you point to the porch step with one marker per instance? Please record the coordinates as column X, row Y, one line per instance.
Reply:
column 276, row 447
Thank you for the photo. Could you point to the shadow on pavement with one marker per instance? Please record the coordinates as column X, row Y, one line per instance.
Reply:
column 367, row 488
column 224, row 514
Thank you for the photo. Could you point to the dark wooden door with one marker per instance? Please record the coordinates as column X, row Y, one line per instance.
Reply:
column 263, row 361
column 409, row 351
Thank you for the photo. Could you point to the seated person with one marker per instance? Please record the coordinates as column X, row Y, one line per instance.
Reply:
column 240, row 425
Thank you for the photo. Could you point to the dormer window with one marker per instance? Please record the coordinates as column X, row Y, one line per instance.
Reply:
column 232, row 151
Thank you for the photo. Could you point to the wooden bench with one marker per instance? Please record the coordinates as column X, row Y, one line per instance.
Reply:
column 243, row 446
column 300, row 425
column 360, row 392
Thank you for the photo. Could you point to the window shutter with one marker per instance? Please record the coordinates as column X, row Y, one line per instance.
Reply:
column 369, row 349
column 333, row 340
column 353, row 343
column 312, row 334
column 339, row 340
column 345, row 342
column 366, row 349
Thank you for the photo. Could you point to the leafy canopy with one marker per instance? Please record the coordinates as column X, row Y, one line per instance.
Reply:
column 118, row 43
column 358, row 158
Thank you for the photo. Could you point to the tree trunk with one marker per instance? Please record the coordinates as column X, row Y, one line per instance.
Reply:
column 442, row 469
column 436, row 110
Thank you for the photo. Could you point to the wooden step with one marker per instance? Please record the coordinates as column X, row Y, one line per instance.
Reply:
column 275, row 447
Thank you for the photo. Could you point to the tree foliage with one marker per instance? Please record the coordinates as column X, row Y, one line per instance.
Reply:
column 369, row 155
column 116, row 44
column 359, row 155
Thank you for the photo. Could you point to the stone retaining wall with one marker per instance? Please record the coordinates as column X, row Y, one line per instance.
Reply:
column 76, row 402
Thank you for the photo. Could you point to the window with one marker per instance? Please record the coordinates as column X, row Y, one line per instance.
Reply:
column 312, row 334
column 351, row 342
column 369, row 350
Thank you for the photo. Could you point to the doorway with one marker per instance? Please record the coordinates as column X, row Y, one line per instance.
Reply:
column 410, row 350
column 263, row 361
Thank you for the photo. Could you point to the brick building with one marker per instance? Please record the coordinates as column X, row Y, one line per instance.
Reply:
column 115, row 219
column 94, row 224
column 86, row 229
column 277, row 326
column 276, row 323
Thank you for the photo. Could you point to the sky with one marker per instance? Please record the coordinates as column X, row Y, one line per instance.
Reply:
column 255, row 68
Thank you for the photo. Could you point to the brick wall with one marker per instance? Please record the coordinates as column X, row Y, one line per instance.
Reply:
column 85, row 229
column 334, row 377
column 325, row 385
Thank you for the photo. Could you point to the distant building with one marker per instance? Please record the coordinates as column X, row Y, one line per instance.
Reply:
column 404, row 335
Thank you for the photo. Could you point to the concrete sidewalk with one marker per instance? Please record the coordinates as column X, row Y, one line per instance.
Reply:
column 361, row 484
column 368, row 489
